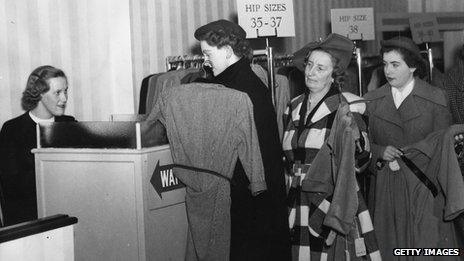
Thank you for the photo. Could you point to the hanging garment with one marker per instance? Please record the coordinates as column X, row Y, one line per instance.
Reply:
column 328, row 217
column 144, row 94
column 210, row 127
column 296, row 80
column 259, row 224
column 282, row 93
column 159, row 82
column 431, row 202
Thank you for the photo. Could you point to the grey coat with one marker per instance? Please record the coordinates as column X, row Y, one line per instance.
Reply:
column 210, row 126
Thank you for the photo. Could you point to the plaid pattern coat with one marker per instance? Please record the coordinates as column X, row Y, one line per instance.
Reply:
column 328, row 217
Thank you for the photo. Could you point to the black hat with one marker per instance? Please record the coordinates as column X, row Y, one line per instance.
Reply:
column 224, row 25
column 405, row 43
column 336, row 45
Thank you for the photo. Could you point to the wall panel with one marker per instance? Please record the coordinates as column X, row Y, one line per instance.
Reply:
column 90, row 40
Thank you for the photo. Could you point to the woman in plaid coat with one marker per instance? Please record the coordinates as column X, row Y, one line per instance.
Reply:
column 309, row 120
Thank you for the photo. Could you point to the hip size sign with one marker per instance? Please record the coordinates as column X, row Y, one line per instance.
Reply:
column 266, row 18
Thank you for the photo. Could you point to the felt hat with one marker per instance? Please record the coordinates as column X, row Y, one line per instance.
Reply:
column 405, row 43
column 224, row 25
column 336, row 45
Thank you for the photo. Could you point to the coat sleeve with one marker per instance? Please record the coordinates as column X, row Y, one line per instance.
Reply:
column 248, row 147
column 153, row 129
column 450, row 177
column 442, row 114
column 344, row 204
column 8, row 161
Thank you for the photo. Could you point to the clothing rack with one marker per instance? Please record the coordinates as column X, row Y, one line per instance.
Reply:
column 278, row 61
column 196, row 61
column 184, row 62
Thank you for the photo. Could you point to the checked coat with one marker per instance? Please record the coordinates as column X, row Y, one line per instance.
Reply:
column 328, row 218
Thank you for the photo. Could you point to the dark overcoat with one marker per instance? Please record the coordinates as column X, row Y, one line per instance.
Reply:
column 259, row 224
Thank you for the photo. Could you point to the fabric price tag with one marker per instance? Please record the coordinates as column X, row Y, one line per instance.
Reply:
column 360, row 247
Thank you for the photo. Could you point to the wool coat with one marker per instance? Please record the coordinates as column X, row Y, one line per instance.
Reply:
column 17, row 168
column 259, row 224
column 424, row 111
column 326, row 198
column 206, row 135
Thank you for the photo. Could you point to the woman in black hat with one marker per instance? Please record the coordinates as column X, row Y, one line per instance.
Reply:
column 402, row 112
column 307, row 125
column 259, row 224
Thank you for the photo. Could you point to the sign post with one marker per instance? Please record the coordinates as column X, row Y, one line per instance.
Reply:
column 424, row 29
column 355, row 24
column 264, row 19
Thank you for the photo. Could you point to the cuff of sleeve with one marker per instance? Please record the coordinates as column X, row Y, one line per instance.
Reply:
column 258, row 187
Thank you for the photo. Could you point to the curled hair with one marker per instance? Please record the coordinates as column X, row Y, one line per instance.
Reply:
column 338, row 73
column 220, row 38
column 411, row 59
column 37, row 84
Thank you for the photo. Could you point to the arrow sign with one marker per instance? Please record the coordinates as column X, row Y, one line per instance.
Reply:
column 163, row 179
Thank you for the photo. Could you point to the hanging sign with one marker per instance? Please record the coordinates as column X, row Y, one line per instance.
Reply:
column 424, row 29
column 163, row 179
column 354, row 23
column 266, row 18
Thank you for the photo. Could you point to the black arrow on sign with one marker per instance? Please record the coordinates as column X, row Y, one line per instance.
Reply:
column 157, row 183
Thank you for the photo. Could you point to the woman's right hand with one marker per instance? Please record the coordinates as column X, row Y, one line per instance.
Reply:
column 390, row 153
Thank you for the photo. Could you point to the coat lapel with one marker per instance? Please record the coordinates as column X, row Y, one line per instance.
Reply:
column 388, row 112
column 409, row 109
column 327, row 107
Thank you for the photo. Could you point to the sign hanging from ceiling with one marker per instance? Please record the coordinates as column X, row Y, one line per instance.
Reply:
column 424, row 29
column 354, row 23
column 266, row 18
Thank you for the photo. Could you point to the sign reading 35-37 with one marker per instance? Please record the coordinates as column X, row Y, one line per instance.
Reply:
column 266, row 18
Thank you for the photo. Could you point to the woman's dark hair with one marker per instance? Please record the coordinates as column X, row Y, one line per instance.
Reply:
column 220, row 38
column 411, row 59
column 338, row 74
column 37, row 85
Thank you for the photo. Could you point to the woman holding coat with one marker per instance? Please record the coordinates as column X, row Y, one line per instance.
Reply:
column 401, row 112
column 311, row 131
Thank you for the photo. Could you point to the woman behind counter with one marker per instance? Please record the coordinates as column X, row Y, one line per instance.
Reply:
column 401, row 112
column 44, row 100
column 308, row 123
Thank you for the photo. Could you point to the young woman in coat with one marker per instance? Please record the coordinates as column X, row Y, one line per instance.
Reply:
column 401, row 112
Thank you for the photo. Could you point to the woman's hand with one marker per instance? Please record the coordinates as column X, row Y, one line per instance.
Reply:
column 459, row 138
column 390, row 153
